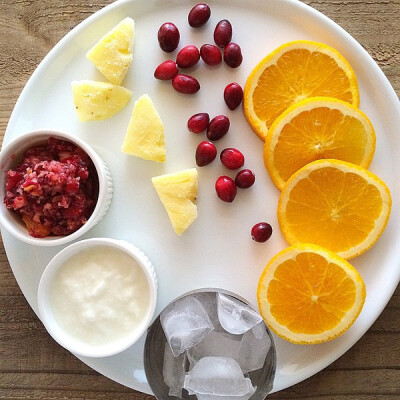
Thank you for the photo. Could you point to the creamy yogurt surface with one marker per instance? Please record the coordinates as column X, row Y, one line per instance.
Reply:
column 100, row 295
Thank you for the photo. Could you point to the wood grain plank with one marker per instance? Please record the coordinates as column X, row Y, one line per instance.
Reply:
column 46, row 386
column 346, row 383
column 339, row 383
column 372, row 24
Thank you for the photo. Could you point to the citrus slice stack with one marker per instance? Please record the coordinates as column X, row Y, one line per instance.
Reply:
column 316, row 128
column 307, row 294
column 293, row 72
column 335, row 204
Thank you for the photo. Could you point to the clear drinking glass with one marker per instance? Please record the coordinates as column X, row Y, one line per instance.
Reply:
column 156, row 345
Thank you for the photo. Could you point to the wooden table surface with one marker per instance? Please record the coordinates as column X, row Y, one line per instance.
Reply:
column 32, row 365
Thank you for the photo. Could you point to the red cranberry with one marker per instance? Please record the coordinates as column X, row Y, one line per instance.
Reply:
column 166, row 70
column 223, row 33
column 168, row 37
column 185, row 84
column 188, row 57
column 245, row 178
column 205, row 153
column 210, row 54
column 261, row 232
column 13, row 178
column 199, row 15
column 233, row 95
column 232, row 158
column 233, row 55
column 218, row 127
column 198, row 123
column 72, row 187
column 225, row 188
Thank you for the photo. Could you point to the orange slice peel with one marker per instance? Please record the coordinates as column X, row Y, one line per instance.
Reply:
column 293, row 72
column 335, row 204
column 307, row 294
column 317, row 128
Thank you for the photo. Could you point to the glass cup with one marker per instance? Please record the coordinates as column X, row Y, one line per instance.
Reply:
column 155, row 346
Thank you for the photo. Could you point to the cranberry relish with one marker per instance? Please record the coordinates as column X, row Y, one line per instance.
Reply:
column 54, row 188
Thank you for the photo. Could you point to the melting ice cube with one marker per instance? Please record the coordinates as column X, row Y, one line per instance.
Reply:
column 219, row 378
column 207, row 299
column 185, row 323
column 260, row 331
column 235, row 316
column 254, row 348
column 174, row 371
column 219, row 344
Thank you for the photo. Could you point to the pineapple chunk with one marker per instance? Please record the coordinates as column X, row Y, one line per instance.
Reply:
column 98, row 100
column 145, row 134
column 178, row 192
column 112, row 54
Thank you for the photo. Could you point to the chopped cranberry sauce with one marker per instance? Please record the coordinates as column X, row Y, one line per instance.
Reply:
column 54, row 188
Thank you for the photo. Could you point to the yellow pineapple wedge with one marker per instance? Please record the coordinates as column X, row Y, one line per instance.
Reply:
column 145, row 134
column 96, row 101
column 113, row 53
column 178, row 192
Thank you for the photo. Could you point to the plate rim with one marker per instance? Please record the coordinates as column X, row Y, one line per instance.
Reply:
column 388, row 89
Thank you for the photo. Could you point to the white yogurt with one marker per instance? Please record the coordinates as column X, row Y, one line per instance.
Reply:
column 100, row 295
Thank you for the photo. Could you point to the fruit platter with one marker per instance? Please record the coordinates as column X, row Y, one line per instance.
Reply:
column 265, row 168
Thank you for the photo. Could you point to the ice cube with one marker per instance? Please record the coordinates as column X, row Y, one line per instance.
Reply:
column 254, row 349
column 260, row 330
column 235, row 316
column 207, row 299
column 218, row 397
column 185, row 323
column 218, row 378
column 174, row 369
column 218, row 344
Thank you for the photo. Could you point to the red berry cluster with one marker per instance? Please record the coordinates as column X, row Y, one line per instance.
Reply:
column 217, row 127
column 231, row 158
column 168, row 39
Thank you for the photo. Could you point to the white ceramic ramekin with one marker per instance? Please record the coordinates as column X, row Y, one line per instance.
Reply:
column 12, row 153
column 49, row 319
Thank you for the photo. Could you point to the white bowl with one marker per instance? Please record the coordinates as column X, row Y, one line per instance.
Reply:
column 12, row 153
column 49, row 316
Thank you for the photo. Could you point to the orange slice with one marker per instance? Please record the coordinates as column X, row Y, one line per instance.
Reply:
column 293, row 72
column 335, row 204
column 315, row 128
column 307, row 294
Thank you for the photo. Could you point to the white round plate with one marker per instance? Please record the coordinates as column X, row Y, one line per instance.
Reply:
column 217, row 250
